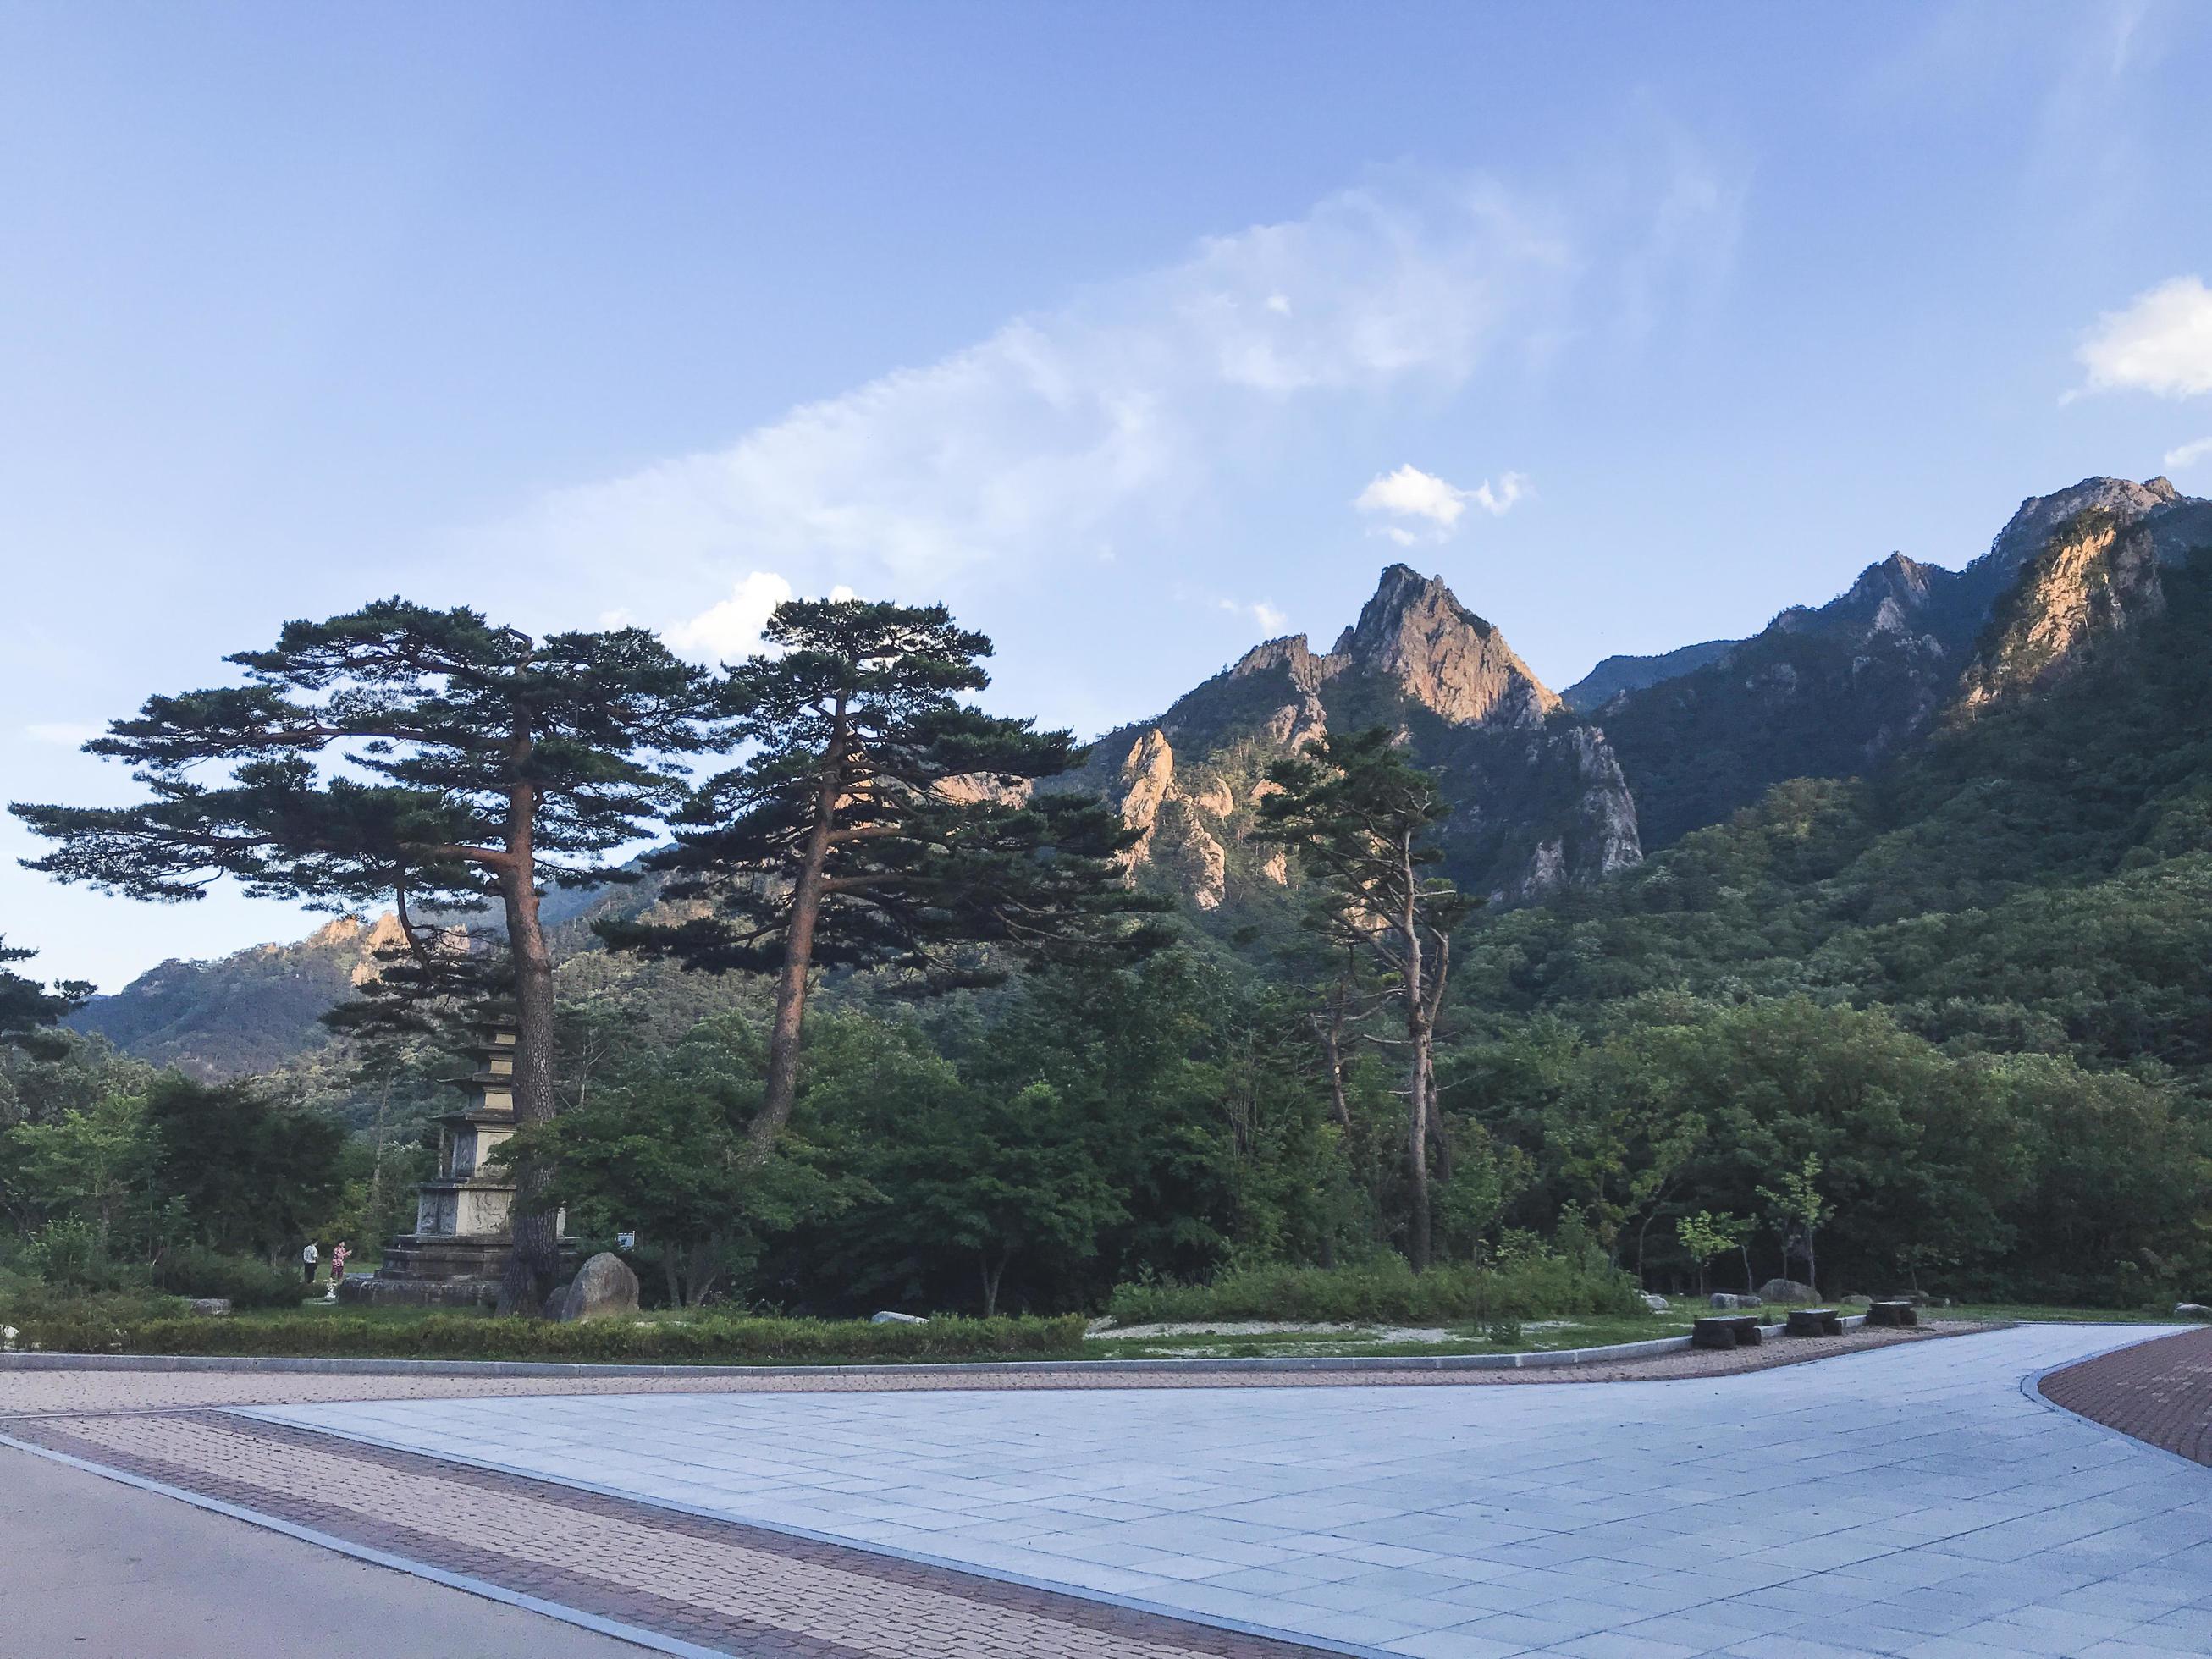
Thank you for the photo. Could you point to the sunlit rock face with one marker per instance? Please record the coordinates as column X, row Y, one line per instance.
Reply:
column 1538, row 796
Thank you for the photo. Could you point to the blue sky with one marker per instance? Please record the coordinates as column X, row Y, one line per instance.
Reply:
column 1135, row 333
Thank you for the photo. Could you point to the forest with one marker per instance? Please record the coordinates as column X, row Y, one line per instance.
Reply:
column 882, row 1016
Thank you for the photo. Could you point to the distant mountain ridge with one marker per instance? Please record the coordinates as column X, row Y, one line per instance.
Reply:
column 1615, row 675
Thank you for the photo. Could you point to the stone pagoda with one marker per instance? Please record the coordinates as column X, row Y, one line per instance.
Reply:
column 458, row 1252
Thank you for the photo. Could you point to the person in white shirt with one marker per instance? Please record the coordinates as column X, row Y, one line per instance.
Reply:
column 308, row 1258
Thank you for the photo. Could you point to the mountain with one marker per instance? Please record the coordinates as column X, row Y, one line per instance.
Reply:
column 260, row 1008
column 1833, row 689
column 1618, row 674
column 245, row 1013
column 1539, row 799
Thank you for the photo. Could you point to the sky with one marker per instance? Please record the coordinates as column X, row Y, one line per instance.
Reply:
column 1136, row 333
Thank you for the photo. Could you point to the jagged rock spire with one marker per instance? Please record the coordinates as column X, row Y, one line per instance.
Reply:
column 1444, row 656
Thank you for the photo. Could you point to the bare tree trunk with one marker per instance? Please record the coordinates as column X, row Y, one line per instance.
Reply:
column 992, row 1276
column 783, row 1089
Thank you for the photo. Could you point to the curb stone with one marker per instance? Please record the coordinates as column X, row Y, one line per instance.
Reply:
column 327, row 1365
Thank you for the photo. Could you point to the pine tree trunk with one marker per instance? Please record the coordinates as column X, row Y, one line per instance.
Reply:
column 783, row 1089
column 533, row 1265
column 1418, row 1033
column 1332, row 1040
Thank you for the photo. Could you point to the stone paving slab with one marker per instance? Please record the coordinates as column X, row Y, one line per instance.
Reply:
column 1912, row 1500
column 2159, row 1392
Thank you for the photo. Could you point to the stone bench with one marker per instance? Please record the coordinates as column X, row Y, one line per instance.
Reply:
column 1893, row 1313
column 1726, row 1331
column 1815, row 1322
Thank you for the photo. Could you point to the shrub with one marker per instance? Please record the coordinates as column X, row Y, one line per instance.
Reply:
column 249, row 1282
column 78, row 1328
column 1388, row 1292
column 67, row 1256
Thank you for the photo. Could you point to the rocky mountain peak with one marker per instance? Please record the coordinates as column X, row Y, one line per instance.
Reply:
column 2030, row 528
column 1289, row 655
column 1442, row 656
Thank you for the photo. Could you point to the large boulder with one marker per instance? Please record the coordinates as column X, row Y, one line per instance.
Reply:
column 602, row 1287
column 1732, row 1299
column 1787, row 1289
column 2192, row 1311
column 1655, row 1303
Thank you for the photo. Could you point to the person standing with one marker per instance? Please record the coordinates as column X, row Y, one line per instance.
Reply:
column 340, row 1252
column 308, row 1259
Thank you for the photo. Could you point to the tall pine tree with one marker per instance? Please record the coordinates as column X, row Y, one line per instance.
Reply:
column 878, row 821
column 1361, row 820
column 427, row 758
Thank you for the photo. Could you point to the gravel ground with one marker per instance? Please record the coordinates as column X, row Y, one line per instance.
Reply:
column 27, row 1393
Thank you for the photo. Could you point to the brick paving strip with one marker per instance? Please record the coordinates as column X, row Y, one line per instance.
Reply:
column 2158, row 1392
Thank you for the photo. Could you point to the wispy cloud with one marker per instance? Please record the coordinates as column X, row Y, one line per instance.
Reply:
column 1410, row 493
column 2180, row 460
column 2161, row 342
column 1115, row 417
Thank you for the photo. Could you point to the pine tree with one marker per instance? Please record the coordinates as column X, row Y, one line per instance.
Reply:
column 29, row 1010
column 1360, row 818
column 878, row 822
column 425, row 756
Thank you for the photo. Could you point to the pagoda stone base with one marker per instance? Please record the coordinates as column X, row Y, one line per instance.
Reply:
column 420, row 1257
column 374, row 1290
column 441, row 1270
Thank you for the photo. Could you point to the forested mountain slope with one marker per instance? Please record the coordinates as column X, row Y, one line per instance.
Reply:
column 1832, row 690
column 2036, row 875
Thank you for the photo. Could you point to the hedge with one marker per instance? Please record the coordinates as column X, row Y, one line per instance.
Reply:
column 707, row 1340
column 1388, row 1292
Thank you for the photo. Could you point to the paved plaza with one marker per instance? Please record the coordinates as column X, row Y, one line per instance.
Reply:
column 1916, row 1499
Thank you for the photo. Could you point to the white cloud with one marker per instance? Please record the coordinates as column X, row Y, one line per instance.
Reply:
column 2161, row 342
column 1138, row 408
column 1103, row 418
column 1410, row 493
column 1269, row 616
column 2188, row 455
column 67, row 733
column 731, row 629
